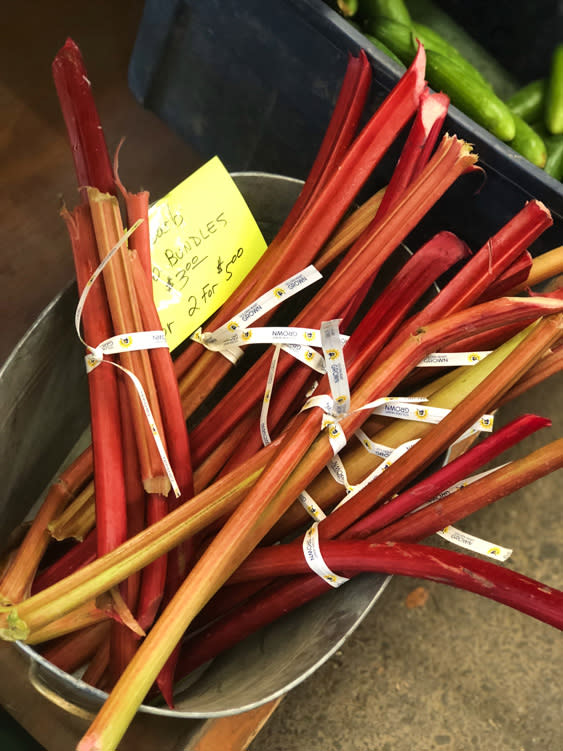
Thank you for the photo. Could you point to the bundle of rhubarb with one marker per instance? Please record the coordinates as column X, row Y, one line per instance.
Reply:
column 319, row 462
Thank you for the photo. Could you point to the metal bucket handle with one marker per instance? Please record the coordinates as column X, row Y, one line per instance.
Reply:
column 55, row 698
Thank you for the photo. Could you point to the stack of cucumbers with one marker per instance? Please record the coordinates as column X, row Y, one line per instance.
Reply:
column 529, row 120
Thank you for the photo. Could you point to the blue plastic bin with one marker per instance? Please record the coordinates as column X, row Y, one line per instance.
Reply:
column 255, row 83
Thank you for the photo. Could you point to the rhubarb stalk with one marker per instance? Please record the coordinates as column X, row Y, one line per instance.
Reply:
column 17, row 580
column 127, row 319
column 240, row 534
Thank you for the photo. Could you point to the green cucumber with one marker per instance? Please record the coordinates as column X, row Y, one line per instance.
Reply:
column 431, row 14
column 383, row 47
column 528, row 142
column 396, row 36
column 396, row 10
column 554, row 163
column 553, row 115
column 528, row 102
column 434, row 41
column 478, row 102
column 554, row 145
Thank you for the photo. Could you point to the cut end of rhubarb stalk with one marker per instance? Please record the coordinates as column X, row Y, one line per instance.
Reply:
column 433, row 107
column 418, row 66
column 541, row 206
column 15, row 629
column 157, row 485
column 466, row 153
column 89, row 744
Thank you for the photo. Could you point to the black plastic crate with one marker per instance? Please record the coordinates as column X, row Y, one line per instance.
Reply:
column 255, row 82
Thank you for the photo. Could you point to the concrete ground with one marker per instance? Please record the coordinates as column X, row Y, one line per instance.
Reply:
column 457, row 672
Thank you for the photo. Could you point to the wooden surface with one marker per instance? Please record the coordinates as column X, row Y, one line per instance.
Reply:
column 36, row 174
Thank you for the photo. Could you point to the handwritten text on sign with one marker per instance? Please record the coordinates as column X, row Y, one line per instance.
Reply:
column 204, row 241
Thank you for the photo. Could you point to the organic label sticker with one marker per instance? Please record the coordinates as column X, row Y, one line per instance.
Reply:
column 204, row 241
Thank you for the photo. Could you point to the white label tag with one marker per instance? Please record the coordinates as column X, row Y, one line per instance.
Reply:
column 307, row 356
column 271, row 298
column 338, row 471
column 292, row 335
column 313, row 556
column 377, row 449
column 335, row 368
column 422, row 413
column 470, row 542
column 452, row 359
column 311, row 506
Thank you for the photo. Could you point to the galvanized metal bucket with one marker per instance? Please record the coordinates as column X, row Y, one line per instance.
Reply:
column 43, row 411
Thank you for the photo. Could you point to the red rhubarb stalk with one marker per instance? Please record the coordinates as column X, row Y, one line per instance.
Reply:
column 134, row 490
column 74, row 650
column 417, row 149
column 257, row 514
column 415, row 154
column 452, row 473
column 449, row 510
column 452, row 158
column 137, row 205
column 88, row 146
column 492, row 259
column 123, row 641
column 322, row 216
column 78, row 556
column 338, row 137
column 111, row 514
column 210, row 468
column 19, row 575
column 517, row 272
column 263, row 609
column 436, row 564
column 373, row 331
column 153, row 576
column 341, row 129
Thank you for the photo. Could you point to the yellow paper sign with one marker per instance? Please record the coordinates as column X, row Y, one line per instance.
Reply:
column 204, row 241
